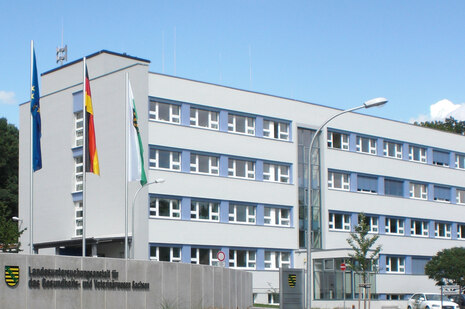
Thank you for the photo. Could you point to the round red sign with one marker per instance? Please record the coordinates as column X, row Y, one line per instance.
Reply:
column 343, row 267
column 220, row 256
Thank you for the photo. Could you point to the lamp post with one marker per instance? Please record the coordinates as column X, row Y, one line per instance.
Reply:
column 159, row 180
column 370, row 103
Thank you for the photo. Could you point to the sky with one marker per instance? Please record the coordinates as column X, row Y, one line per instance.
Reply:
column 328, row 52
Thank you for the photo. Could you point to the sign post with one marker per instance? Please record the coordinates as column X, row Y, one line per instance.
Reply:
column 343, row 269
column 221, row 256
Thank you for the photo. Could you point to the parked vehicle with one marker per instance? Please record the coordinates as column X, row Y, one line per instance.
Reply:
column 430, row 301
column 459, row 299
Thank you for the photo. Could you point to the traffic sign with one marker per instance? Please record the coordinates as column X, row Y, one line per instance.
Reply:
column 220, row 256
column 343, row 266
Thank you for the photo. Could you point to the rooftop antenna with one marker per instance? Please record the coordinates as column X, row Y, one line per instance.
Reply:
column 62, row 52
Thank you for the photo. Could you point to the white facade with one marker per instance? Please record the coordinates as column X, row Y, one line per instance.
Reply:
column 230, row 159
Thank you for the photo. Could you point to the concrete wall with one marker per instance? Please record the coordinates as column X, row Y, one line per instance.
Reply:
column 165, row 285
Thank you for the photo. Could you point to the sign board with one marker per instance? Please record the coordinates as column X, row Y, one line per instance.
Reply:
column 220, row 256
column 292, row 288
column 450, row 289
column 343, row 266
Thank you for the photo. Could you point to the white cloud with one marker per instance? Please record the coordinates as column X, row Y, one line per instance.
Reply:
column 441, row 110
column 7, row 97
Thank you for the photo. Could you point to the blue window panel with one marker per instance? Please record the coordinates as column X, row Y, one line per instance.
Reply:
column 77, row 196
column 224, row 166
column 260, row 259
column 393, row 187
column 382, row 224
column 431, row 229
column 186, row 161
column 430, row 187
column 185, row 114
column 381, row 185
column 407, row 227
column 367, row 184
column 186, row 208
column 408, row 264
column 353, row 182
column 259, row 170
column 441, row 158
column 223, row 121
column 224, row 212
column 453, row 230
column 382, row 263
column 77, row 151
column 226, row 256
column 452, row 159
column 429, row 155
column 260, row 213
column 186, row 254
column 418, row 265
column 405, row 151
column 352, row 142
column 442, row 193
column 380, row 147
column 407, row 189
column 78, row 102
column 259, row 126
column 453, row 195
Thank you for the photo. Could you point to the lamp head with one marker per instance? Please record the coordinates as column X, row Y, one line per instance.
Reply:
column 375, row 102
column 16, row 219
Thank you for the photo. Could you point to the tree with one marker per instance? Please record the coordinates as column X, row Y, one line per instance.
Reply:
column 364, row 259
column 9, row 231
column 448, row 267
column 9, row 155
column 449, row 124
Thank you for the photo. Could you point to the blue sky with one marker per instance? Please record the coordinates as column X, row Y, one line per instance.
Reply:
column 335, row 53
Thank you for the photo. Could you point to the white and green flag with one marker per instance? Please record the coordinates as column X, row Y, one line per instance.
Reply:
column 136, row 170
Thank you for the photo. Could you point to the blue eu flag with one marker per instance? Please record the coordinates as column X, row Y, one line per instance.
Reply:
column 35, row 112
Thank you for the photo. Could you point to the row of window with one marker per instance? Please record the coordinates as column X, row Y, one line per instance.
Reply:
column 202, row 210
column 395, row 187
column 395, row 150
column 397, row 226
column 210, row 165
column 210, row 119
column 246, row 259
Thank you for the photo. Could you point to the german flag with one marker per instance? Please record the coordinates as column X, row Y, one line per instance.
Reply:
column 91, row 146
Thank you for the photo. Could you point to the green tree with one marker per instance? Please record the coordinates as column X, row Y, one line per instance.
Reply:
column 449, row 124
column 365, row 258
column 9, row 155
column 448, row 267
column 9, row 231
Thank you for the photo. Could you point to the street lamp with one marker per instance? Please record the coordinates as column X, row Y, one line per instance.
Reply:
column 159, row 180
column 370, row 103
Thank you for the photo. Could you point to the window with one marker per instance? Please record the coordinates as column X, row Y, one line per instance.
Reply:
column 392, row 150
column 241, row 168
column 394, row 226
column 461, row 231
column 441, row 194
column 460, row 161
column 395, row 265
column 242, row 213
column 275, row 172
column 460, row 196
column 276, row 260
column 418, row 191
column 417, row 154
column 273, row 298
column 242, row 259
column 204, row 164
column 442, row 230
column 338, row 181
column 78, row 129
column 338, row 140
column 339, row 222
column 241, row 124
column 366, row 145
column 165, row 112
column 367, row 184
column 204, row 118
column 372, row 222
column 165, row 159
column 419, row 228
column 276, row 129
column 393, row 187
column 205, row 256
column 209, row 211
column 441, row 158
column 78, row 214
column 165, row 254
column 78, row 174
column 164, row 207
column 277, row 216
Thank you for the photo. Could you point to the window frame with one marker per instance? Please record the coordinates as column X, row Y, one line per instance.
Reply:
column 460, row 196
column 424, row 227
column 249, row 168
column 78, row 219
column 442, row 227
column 342, row 140
column 175, row 254
column 344, row 180
column 276, row 216
column 415, row 188
column 213, row 216
column 250, row 214
column 212, row 256
column 273, row 172
column 174, row 164
column 250, row 259
column 274, row 260
column 78, row 174
column 174, row 112
column 78, row 129
column 274, row 129
column 459, row 161
column 361, row 144
column 422, row 155
column 249, row 129
column 461, row 231
column 345, row 222
column 400, row 264
column 213, row 164
column 174, row 208
column 397, row 151
column 213, row 118
column 394, row 226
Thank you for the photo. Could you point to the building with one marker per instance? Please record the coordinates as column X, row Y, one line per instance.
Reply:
column 235, row 164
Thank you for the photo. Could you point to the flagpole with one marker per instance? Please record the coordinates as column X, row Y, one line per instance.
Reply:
column 126, row 130
column 84, row 158
column 31, row 180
